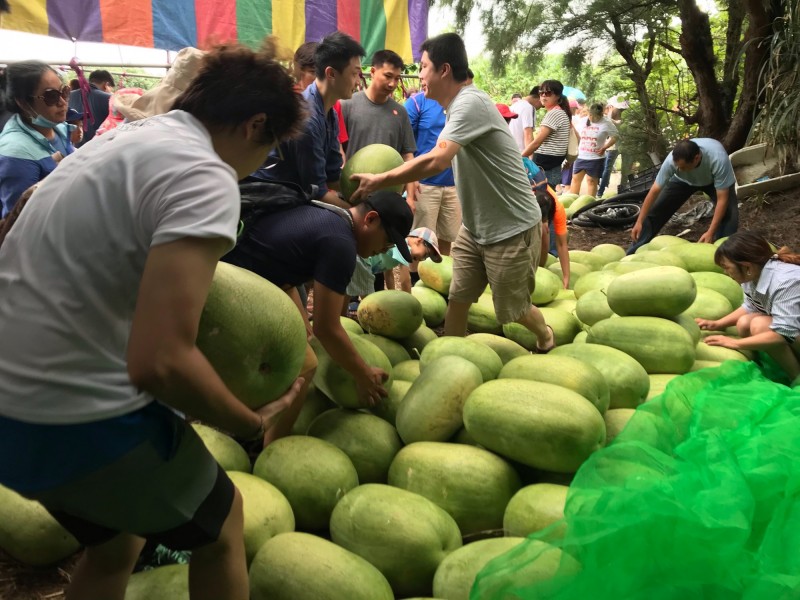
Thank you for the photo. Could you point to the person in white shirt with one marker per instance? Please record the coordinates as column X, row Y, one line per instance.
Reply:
column 103, row 278
column 769, row 318
column 598, row 133
column 522, row 128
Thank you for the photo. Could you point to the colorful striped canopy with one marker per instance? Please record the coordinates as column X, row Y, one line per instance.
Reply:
column 400, row 25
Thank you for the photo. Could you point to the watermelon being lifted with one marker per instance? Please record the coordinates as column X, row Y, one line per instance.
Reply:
column 375, row 158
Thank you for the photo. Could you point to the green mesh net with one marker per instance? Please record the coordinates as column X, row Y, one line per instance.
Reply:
column 698, row 498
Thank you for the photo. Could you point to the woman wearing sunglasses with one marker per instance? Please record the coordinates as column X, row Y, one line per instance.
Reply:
column 549, row 147
column 36, row 137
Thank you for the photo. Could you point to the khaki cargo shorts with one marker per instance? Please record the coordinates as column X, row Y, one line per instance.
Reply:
column 508, row 266
column 438, row 209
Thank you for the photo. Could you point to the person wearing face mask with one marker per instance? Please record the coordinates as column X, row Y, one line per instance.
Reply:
column 36, row 137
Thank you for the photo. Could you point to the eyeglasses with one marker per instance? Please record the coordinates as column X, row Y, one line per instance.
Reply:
column 51, row 97
column 546, row 93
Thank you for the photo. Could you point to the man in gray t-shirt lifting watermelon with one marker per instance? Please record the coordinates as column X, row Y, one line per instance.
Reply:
column 500, row 239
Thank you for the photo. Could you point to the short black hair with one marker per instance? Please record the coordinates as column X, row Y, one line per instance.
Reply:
column 335, row 51
column 534, row 91
column 304, row 55
column 448, row 48
column 685, row 150
column 470, row 74
column 382, row 57
column 101, row 76
column 235, row 83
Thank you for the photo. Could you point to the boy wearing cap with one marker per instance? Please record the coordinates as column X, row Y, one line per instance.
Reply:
column 309, row 243
column 75, row 125
column 422, row 243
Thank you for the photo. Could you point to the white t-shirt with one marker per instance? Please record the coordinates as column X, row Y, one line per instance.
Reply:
column 526, row 118
column 594, row 136
column 71, row 266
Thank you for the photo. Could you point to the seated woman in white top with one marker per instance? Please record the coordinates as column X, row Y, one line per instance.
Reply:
column 769, row 319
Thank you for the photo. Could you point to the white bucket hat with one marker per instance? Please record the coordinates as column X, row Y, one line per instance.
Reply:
column 160, row 99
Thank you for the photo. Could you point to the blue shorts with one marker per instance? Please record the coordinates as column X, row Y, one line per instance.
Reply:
column 592, row 167
column 146, row 473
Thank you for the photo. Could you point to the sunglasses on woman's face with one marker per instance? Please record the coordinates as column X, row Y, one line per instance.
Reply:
column 546, row 93
column 51, row 97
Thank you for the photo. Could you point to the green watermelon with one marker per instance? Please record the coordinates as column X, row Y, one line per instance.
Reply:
column 471, row 484
column 535, row 507
column 391, row 313
column 300, row 566
column 374, row 158
column 266, row 511
column 369, row 441
column 252, row 334
column 437, row 276
column 226, row 451
column 434, row 306
column 313, row 475
column 479, row 354
column 404, row 535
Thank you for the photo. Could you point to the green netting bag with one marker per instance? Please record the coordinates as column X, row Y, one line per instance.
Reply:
column 698, row 498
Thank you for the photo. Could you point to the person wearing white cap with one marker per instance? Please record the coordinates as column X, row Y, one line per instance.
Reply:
column 422, row 243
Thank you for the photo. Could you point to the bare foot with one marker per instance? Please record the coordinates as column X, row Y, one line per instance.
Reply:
column 272, row 412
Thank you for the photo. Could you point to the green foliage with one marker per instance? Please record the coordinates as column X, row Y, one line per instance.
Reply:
column 779, row 120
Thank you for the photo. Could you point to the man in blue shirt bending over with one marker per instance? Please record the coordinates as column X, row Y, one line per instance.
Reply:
column 698, row 165
column 313, row 160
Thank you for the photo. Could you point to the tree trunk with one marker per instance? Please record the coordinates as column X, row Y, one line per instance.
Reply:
column 639, row 74
column 760, row 17
column 697, row 49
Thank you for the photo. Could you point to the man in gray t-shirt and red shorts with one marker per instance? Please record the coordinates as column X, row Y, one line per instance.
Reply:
column 500, row 239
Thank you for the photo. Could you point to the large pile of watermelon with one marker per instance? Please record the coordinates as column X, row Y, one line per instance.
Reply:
column 477, row 442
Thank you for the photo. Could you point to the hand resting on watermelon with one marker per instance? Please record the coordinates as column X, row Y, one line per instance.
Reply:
column 370, row 386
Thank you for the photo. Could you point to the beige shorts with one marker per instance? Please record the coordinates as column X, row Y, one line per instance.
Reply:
column 438, row 209
column 508, row 266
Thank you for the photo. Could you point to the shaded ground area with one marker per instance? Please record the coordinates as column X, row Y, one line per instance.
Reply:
column 777, row 216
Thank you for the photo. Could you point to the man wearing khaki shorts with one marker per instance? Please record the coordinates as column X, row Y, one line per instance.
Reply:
column 499, row 242
column 437, row 206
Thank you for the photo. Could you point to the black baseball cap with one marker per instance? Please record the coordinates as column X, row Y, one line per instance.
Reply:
column 396, row 218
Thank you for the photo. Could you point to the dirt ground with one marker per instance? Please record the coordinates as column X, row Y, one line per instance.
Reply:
column 777, row 216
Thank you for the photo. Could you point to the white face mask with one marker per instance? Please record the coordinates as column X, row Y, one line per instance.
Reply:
column 41, row 121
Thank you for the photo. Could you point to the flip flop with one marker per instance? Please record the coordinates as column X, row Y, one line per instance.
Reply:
column 546, row 350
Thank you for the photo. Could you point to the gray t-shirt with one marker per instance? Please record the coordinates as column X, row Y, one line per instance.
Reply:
column 369, row 123
column 715, row 167
column 496, row 198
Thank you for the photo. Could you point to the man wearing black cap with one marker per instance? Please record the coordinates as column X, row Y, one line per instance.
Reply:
column 321, row 244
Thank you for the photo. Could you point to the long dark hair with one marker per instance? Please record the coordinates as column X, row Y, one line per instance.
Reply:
column 19, row 82
column 555, row 86
column 236, row 83
column 751, row 247
column 547, row 204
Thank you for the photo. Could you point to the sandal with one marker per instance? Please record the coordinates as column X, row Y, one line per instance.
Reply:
column 553, row 345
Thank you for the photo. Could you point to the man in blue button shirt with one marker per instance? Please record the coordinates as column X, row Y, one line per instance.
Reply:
column 313, row 160
column 698, row 165
column 437, row 203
